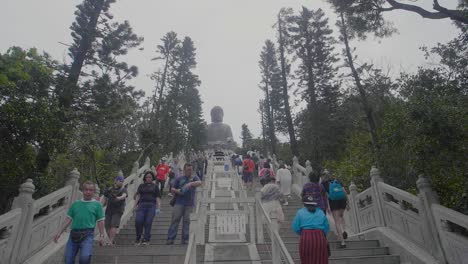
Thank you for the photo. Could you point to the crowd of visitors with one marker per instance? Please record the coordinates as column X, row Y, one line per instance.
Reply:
column 323, row 195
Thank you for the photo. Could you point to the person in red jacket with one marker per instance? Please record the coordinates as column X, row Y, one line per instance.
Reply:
column 248, row 170
column 162, row 171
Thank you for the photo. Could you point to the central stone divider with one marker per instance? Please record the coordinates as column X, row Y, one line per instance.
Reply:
column 230, row 216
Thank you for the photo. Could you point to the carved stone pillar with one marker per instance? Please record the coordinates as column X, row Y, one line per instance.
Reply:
column 375, row 179
column 353, row 204
column 147, row 163
column 309, row 169
column 428, row 197
column 25, row 202
column 296, row 173
column 73, row 181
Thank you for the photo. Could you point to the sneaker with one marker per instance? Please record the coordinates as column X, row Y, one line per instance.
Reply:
column 286, row 203
column 345, row 235
column 145, row 243
column 170, row 242
column 137, row 242
column 342, row 245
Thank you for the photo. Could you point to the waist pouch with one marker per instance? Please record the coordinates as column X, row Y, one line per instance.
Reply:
column 77, row 236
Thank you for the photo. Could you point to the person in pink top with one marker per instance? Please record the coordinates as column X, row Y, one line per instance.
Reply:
column 266, row 167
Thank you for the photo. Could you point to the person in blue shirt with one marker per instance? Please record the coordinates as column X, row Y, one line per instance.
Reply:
column 312, row 225
column 184, row 188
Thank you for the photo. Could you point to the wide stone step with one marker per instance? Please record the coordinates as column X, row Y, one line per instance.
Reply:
column 141, row 250
column 386, row 259
column 334, row 245
column 138, row 259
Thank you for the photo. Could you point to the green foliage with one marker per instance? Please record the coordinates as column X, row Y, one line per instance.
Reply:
column 174, row 114
column 30, row 129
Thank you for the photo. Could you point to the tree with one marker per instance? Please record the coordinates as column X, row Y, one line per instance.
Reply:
column 345, row 36
column 369, row 13
column 313, row 42
column 84, row 33
column 166, row 53
column 184, row 127
column 246, row 137
column 270, row 84
column 30, row 128
column 283, row 40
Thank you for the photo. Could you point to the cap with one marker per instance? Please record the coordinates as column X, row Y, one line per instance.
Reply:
column 309, row 200
column 120, row 178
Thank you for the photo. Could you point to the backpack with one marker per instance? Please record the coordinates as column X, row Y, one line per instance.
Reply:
column 314, row 190
column 335, row 191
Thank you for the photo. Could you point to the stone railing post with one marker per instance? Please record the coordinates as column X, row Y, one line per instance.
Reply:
column 259, row 219
column 274, row 162
column 309, row 169
column 147, row 163
column 297, row 179
column 375, row 179
column 275, row 247
column 25, row 202
column 73, row 181
column 428, row 197
column 354, row 210
column 97, row 192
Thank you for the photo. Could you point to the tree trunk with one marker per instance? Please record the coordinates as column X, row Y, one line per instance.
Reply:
column 287, row 109
column 80, row 57
column 365, row 103
column 271, row 128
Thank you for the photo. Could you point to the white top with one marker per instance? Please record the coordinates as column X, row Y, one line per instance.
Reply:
column 284, row 177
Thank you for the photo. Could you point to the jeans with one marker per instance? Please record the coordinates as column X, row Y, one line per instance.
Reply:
column 178, row 212
column 85, row 247
column 161, row 184
column 144, row 218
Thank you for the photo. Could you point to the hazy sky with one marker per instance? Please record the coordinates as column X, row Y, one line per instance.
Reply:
column 228, row 35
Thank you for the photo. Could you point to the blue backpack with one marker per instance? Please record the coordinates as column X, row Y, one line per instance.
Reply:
column 335, row 191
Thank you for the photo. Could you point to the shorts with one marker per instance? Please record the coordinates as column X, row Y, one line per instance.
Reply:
column 112, row 220
column 337, row 204
column 247, row 176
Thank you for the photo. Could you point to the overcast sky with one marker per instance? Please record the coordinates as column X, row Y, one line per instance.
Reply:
column 228, row 36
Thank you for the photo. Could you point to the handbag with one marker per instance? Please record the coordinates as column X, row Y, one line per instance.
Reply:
column 78, row 236
column 173, row 200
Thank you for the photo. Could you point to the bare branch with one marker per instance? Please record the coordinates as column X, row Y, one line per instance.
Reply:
column 442, row 13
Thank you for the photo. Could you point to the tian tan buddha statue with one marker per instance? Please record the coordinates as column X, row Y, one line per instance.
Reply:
column 217, row 132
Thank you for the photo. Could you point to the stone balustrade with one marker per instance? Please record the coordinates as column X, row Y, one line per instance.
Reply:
column 415, row 226
column 27, row 231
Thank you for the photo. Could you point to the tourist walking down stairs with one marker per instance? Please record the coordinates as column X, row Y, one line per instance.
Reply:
column 148, row 204
column 312, row 225
column 82, row 215
column 114, row 197
column 184, row 190
column 162, row 171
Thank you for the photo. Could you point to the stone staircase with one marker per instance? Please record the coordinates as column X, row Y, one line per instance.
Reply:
column 125, row 252
column 357, row 251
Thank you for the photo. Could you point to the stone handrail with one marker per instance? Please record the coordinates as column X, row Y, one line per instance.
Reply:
column 452, row 227
column 439, row 232
column 9, row 231
column 27, row 231
column 280, row 253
